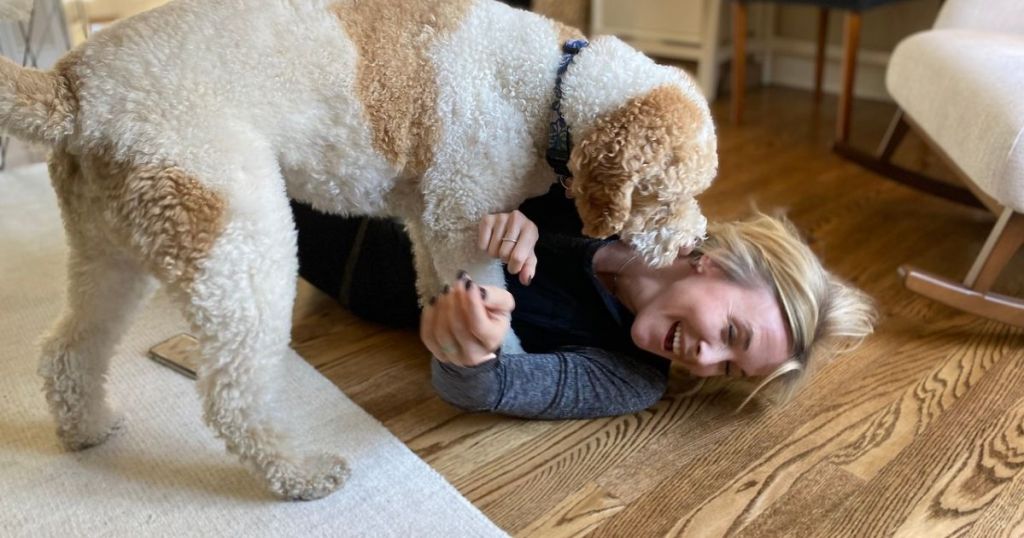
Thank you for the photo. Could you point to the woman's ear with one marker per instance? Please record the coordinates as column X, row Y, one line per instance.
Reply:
column 702, row 264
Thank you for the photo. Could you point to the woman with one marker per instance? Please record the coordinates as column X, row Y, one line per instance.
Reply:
column 600, row 328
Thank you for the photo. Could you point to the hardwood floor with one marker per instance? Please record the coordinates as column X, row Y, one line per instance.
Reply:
column 919, row 432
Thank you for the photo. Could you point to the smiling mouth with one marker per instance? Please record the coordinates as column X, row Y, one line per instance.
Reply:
column 672, row 339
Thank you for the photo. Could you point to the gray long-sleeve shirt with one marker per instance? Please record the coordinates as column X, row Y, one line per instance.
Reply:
column 580, row 360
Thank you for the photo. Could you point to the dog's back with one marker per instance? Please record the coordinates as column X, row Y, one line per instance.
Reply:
column 350, row 91
column 211, row 74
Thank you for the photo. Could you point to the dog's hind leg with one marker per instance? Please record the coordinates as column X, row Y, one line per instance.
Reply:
column 105, row 287
column 240, row 303
column 104, row 291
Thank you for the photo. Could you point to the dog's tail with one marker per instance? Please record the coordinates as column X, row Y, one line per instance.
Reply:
column 15, row 9
column 35, row 105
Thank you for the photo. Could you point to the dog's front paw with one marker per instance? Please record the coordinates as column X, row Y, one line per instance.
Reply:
column 315, row 477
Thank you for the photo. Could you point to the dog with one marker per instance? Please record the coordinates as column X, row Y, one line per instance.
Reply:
column 179, row 135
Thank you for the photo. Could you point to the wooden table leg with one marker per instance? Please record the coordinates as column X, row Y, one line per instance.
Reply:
column 739, row 58
column 851, row 41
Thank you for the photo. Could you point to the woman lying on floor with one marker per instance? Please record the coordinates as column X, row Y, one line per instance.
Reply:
column 600, row 327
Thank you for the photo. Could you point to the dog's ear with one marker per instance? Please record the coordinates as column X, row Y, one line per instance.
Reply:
column 602, row 186
column 653, row 149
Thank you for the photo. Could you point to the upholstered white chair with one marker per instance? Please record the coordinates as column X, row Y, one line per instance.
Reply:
column 960, row 86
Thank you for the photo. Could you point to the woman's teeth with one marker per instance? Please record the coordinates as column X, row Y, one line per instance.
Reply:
column 676, row 339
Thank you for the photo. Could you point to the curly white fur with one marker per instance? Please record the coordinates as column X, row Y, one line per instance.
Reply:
column 180, row 133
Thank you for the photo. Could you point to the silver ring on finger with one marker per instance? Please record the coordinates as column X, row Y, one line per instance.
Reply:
column 448, row 349
column 510, row 240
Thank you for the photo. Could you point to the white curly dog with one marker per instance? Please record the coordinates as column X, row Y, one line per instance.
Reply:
column 179, row 135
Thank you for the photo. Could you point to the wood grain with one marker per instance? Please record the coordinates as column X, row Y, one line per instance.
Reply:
column 580, row 512
column 919, row 432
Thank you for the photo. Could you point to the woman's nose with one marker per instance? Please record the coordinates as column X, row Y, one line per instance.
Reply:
column 709, row 355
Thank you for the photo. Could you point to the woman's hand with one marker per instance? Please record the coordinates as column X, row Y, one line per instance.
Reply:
column 466, row 323
column 511, row 237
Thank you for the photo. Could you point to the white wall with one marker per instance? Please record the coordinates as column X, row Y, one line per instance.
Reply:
column 793, row 36
column 789, row 33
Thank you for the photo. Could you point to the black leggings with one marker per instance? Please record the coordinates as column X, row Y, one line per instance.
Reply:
column 364, row 263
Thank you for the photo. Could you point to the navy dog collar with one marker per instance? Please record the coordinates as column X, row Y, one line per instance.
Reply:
column 559, row 137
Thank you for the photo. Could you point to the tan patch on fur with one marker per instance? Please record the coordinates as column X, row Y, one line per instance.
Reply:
column 647, row 153
column 67, row 77
column 572, row 12
column 396, row 82
column 41, row 105
column 566, row 32
column 161, row 214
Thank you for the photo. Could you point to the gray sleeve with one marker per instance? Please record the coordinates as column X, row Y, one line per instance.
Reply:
column 574, row 383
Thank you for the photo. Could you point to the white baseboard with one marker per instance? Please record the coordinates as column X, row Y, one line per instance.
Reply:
column 792, row 65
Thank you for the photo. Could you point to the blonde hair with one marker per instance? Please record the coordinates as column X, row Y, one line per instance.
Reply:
column 824, row 314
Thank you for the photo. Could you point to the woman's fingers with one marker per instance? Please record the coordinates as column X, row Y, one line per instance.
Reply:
column 495, row 227
column 522, row 251
column 431, row 328
column 503, row 237
column 466, row 322
column 492, row 231
column 427, row 327
column 529, row 269
column 488, row 328
column 447, row 348
column 455, row 325
column 483, row 238
column 497, row 300
column 462, row 320
column 511, row 238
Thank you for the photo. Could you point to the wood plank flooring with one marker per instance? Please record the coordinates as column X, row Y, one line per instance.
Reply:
column 919, row 432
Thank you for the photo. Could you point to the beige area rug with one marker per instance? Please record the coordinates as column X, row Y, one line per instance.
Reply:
column 165, row 474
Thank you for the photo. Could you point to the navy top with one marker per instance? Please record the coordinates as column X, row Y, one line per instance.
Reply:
column 580, row 360
column 565, row 304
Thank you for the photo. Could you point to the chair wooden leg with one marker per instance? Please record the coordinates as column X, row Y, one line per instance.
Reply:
column 819, row 56
column 881, row 163
column 973, row 295
column 851, row 41
column 907, row 177
column 1009, row 310
column 898, row 128
column 739, row 58
column 1005, row 239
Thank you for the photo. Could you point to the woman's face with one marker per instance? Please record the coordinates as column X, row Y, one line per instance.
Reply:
column 711, row 325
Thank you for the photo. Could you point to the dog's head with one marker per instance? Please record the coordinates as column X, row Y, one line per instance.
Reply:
column 638, row 167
